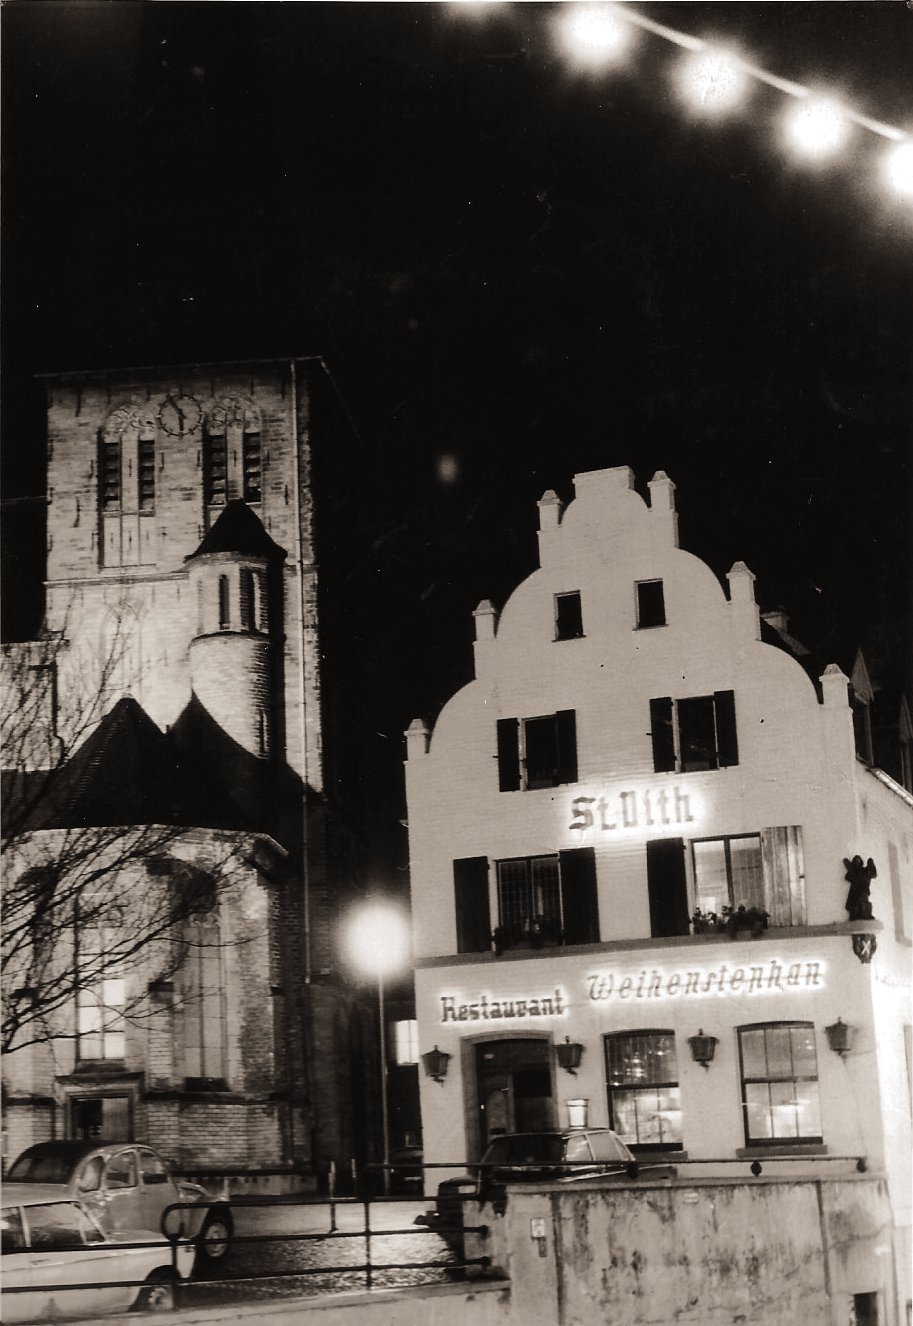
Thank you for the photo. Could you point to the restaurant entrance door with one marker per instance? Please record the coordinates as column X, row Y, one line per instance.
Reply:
column 514, row 1087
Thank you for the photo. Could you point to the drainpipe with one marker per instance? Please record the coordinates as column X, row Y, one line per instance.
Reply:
column 299, row 562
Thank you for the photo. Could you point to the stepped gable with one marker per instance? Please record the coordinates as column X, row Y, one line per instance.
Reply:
column 238, row 529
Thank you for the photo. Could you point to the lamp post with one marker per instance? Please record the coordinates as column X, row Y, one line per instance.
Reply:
column 378, row 943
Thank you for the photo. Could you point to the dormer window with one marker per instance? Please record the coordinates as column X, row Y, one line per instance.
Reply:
column 568, row 616
column 651, row 606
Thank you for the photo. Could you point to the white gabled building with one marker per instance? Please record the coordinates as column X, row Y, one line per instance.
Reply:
column 632, row 756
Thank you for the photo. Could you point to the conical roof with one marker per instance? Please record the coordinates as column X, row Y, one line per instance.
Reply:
column 239, row 530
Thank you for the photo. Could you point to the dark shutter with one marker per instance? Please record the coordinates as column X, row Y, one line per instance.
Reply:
column 509, row 754
column 661, row 732
column 566, row 727
column 578, row 895
column 470, row 891
column 667, row 887
column 727, row 746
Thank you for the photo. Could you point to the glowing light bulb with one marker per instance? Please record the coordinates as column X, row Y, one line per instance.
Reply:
column 596, row 34
column 713, row 80
column 899, row 168
column 817, row 129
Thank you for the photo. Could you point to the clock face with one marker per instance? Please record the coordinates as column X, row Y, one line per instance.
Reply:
column 180, row 414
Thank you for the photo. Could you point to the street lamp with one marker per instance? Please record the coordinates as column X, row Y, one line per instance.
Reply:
column 377, row 940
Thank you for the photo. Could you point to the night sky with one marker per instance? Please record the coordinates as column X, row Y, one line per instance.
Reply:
column 516, row 269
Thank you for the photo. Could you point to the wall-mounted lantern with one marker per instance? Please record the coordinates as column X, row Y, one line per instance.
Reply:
column 569, row 1053
column 436, row 1062
column 577, row 1113
column 703, row 1048
column 839, row 1037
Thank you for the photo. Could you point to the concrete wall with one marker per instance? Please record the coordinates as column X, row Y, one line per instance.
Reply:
column 764, row 1253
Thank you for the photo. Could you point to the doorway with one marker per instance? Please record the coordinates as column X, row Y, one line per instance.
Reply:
column 514, row 1088
column 101, row 1118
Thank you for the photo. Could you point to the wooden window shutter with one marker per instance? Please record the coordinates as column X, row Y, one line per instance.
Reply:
column 470, row 891
column 784, row 875
column 566, row 728
column 727, row 746
column 661, row 732
column 578, row 895
column 509, row 754
column 667, row 887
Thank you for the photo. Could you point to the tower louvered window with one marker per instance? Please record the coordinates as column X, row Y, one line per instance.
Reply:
column 110, row 474
column 215, row 469
column 146, row 473
column 252, row 467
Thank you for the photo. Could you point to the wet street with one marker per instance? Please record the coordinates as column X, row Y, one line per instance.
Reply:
column 287, row 1238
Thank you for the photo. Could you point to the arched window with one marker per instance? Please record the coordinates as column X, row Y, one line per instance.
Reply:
column 246, row 600
column 224, row 612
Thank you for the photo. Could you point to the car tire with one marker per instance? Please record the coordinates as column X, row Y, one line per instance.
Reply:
column 158, row 1293
column 217, row 1227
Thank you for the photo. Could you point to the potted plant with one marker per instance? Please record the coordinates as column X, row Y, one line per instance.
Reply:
column 753, row 919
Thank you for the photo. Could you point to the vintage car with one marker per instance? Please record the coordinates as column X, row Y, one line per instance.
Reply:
column 127, row 1185
column 51, row 1241
column 573, row 1156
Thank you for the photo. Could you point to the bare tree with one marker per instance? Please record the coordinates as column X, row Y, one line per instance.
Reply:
column 106, row 877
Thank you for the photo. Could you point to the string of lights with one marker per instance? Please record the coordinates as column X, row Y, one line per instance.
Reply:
column 715, row 81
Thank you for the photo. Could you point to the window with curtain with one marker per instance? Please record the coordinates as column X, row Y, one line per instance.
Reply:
column 642, row 1083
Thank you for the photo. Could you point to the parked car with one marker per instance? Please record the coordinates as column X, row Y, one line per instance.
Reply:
column 127, row 1185
column 572, row 1156
column 49, row 1239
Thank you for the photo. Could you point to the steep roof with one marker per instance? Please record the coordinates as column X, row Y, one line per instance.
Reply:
column 238, row 529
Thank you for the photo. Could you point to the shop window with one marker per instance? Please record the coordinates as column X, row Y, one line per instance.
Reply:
column 537, row 752
column 642, row 1081
column 694, row 734
column 651, row 605
column 764, row 870
column 547, row 900
column 568, row 616
column 215, row 468
column 405, row 1042
column 779, row 1071
column 252, row 467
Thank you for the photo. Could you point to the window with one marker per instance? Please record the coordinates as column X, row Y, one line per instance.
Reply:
column 11, row 1231
column 537, row 752
column 146, row 475
column 252, row 466
column 568, row 616
column 694, row 734
column 204, row 1023
column 224, row 610
column 246, row 599
column 780, row 1083
column 765, row 870
column 215, row 469
column 152, row 1169
column 727, row 872
column 642, row 1080
column 89, row 1179
column 110, row 474
column 59, row 1226
column 120, row 1171
column 100, row 1003
column 548, row 899
column 651, row 607
column 405, row 1042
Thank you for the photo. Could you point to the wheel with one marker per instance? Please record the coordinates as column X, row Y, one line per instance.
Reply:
column 157, row 1294
column 214, row 1239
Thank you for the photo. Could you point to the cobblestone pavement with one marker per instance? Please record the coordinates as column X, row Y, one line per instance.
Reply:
column 333, row 1249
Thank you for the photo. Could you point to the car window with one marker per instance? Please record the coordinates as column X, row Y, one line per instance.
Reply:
column 89, row 1177
column 41, row 1167
column 578, row 1148
column 606, row 1146
column 91, row 1233
column 152, row 1168
column 54, row 1227
column 121, row 1171
column 13, row 1236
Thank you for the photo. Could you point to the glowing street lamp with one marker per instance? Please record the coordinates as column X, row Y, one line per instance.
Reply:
column 817, row 128
column 377, row 941
column 596, row 34
column 713, row 81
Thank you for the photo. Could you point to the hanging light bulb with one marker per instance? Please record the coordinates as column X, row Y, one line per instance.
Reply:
column 817, row 128
column 596, row 34
column 899, row 167
column 712, row 80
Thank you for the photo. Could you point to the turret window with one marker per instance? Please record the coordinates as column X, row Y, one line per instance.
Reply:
column 224, row 611
column 247, row 602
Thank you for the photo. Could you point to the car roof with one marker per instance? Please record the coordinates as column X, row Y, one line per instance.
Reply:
column 34, row 1194
column 73, row 1149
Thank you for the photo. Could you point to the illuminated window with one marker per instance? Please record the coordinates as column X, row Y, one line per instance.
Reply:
column 568, row 616
column 651, row 606
column 779, row 1070
column 642, row 1081
column 728, row 872
column 100, row 1003
column 537, row 752
column 694, row 734
column 405, row 1043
